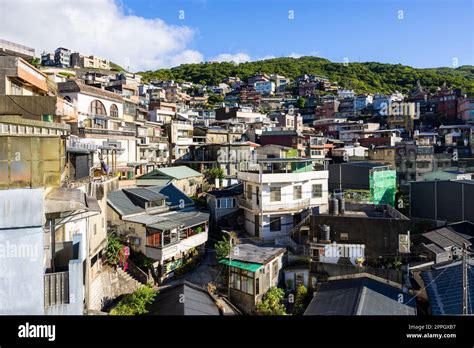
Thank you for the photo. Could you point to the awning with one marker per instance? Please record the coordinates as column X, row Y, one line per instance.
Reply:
column 252, row 267
column 62, row 199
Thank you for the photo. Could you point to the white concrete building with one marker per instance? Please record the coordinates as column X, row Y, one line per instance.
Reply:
column 264, row 87
column 100, row 121
column 279, row 193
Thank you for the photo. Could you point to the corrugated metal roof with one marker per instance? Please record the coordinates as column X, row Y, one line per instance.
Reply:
column 445, row 238
column 197, row 301
column 129, row 201
column 122, row 203
column 145, row 193
column 360, row 296
column 435, row 249
column 445, row 288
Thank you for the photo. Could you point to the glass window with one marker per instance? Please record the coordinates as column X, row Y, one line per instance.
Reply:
column 297, row 192
column 249, row 192
column 275, row 194
column 114, row 110
column 317, row 191
column 97, row 108
column 275, row 269
column 275, row 224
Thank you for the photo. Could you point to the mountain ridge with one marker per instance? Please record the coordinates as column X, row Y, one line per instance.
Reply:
column 364, row 77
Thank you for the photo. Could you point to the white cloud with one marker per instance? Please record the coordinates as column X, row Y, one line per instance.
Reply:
column 295, row 55
column 268, row 56
column 101, row 27
column 228, row 57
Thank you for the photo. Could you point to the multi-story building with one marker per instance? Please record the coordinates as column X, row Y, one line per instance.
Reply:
column 47, row 59
column 286, row 137
column 62, row 57
column 362, row 101
column 306, row 89
column 180, row 136
column 8, row 48
column 264, row 87
column 64, row 213
column 373, row 183
column 161, row 222
column 80, row 61
column 327, row 109
column 446, row 101
column 280, row 82
column 279, row 193
column 239, row 114
column 412, row 161
column 345, row 93
column 466, row 110
column 17, row 77
column 101, row 122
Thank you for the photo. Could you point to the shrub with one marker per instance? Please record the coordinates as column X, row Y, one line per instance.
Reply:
column 135, row 303
column 301, row 300
column 272, row 303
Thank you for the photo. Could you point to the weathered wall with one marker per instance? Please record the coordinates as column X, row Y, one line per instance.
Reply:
column 380, row 236
column 21, row 252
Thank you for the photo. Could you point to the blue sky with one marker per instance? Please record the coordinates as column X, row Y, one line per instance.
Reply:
column 432, row 32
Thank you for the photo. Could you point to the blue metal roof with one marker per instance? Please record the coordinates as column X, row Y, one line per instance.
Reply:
column 445, row 289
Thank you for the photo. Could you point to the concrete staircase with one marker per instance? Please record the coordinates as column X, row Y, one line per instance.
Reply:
column 128, row 283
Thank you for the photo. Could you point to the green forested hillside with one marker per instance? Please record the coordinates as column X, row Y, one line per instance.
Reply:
column 363, row 77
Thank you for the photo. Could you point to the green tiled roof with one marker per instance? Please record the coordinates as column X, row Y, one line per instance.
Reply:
column 252, row 267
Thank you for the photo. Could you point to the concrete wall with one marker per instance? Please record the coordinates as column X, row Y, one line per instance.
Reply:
column 21, row 252
column 379, row 235
column 32, row 106
column 451, row 201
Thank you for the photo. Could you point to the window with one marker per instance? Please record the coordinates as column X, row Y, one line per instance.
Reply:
column 317, row 191
column 275, row 224
column 241, row 280
column 154, row 239
column 225, row 203
column 249, row 192
column 16, row 89
column 114, row 110
column 275, row 269
column 275, row 194
column 97, row 108
column 297, row 192
column 257, row 286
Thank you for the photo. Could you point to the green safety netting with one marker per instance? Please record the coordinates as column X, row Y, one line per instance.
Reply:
column 383, row 185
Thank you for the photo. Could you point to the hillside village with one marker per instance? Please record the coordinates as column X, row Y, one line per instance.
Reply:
column 116, row 186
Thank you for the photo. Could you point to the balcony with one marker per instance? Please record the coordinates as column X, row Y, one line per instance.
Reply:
column 275, row 207
column 252, row 176
column 161, row 253
column 83, row 131
column 56, row 289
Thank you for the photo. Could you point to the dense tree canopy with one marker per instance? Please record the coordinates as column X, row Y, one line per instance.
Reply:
column 363, row 77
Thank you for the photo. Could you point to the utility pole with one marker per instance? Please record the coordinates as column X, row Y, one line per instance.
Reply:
column 230, row 260
column 465, row 310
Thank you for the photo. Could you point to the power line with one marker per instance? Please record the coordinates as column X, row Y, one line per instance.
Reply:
column 424, row 288
column 21, row 107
